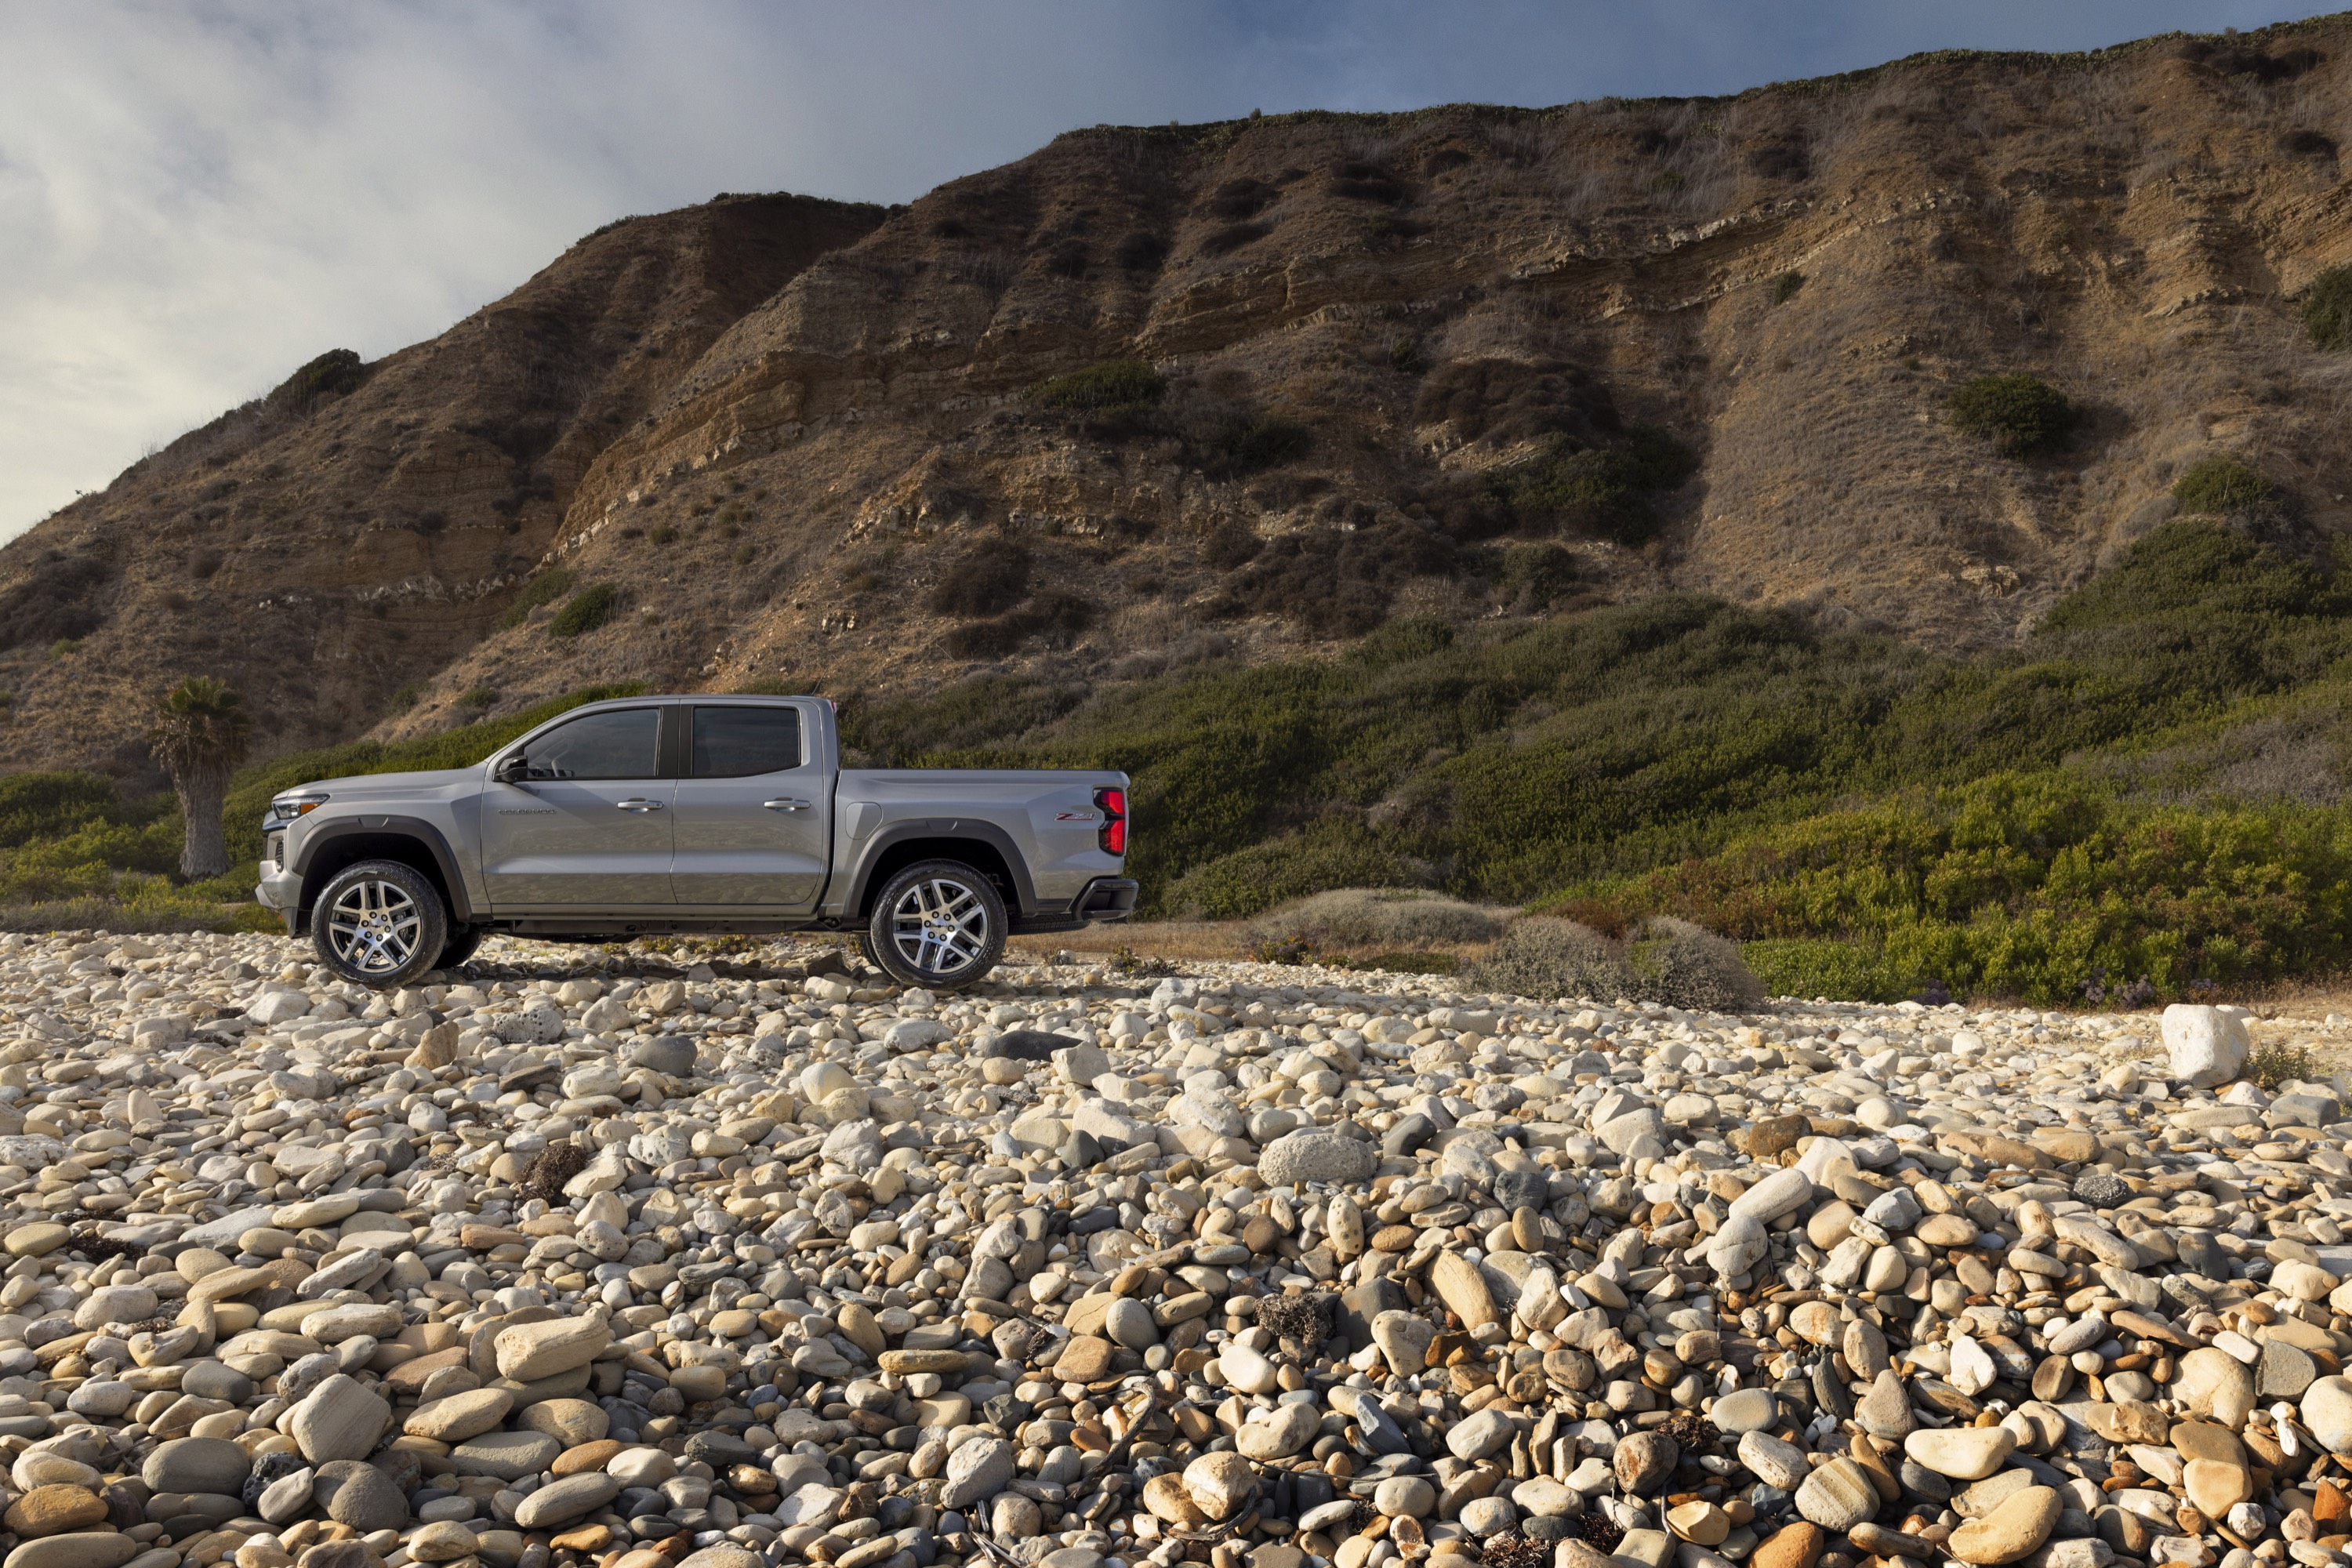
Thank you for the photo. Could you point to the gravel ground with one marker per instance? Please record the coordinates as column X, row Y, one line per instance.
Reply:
column 577, row 1257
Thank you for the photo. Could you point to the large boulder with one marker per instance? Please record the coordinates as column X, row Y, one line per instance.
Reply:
column 2207, row 1045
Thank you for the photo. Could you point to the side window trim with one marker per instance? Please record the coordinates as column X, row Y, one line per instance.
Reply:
column 676, row 752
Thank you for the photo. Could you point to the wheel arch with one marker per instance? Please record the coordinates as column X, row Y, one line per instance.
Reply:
column 990, row 853
column 419, row 846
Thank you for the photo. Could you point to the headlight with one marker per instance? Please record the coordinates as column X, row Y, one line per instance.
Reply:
column 287, row 806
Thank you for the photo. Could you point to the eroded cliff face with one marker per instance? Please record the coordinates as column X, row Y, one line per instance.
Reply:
column 805, row 443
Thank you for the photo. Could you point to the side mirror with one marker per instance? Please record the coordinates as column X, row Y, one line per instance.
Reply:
column 512, row 769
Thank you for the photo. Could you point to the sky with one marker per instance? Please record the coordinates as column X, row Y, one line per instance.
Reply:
column 198, row 195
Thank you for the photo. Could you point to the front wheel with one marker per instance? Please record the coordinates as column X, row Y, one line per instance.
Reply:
column 380, row 924
column 938, row 924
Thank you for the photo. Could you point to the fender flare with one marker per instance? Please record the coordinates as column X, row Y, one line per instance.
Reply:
column 436, row 844
column 1025, row 893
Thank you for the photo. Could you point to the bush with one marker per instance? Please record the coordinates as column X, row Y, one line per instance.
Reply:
column 1379, row 917
column 1811, row 967
column 1263, row 442
column 2327, row 308
column 2220, row 485
column 2019, row 414
column 547, row 586
column 1119, row 383
column 335, row 373
column 1785, row 287
column 1666, row 960
column 1684, row 965
column 586, row 610
column 51, row 806
column 1533, row 577
column 1547, row 959
column 1600, row 490
column 2268, row 1067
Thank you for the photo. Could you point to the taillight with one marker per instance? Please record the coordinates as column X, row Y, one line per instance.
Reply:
column 1112, row 803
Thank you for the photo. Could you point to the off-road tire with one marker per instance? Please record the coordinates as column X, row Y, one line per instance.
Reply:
column 934, row 910
column 463, row 941
column 380, row 924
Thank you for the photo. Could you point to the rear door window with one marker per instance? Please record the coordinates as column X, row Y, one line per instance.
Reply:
column 735, row 742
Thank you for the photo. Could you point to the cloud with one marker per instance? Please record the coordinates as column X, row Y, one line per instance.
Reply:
column 196, row 198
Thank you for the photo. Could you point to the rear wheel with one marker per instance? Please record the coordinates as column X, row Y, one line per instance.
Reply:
column 381, row 923
column 938, row 924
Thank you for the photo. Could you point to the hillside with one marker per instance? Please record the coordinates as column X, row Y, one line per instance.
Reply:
column 1242, row 391
column 351, row 533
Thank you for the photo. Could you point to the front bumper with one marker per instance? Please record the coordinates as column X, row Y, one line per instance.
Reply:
column 279, row 890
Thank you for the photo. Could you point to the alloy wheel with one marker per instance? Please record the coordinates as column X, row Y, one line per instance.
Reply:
column 373, row 926
column 940, row 925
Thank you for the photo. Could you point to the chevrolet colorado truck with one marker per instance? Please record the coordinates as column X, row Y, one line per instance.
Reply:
column 650, row 816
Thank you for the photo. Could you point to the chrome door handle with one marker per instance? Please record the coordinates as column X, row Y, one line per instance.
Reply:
column 638, row 803
column 785, row 804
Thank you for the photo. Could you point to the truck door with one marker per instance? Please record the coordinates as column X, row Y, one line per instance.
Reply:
column 588, row 820
column 751, row 809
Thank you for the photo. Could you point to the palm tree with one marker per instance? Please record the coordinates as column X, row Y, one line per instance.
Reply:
column 199, row 737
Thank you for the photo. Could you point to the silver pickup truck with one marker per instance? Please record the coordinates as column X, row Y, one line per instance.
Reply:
column 653, row 816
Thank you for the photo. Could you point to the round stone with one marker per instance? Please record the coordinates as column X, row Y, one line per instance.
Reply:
column 1745, row 1410
column 1129, row 1323
column 196, row 1464
column 356, row 1493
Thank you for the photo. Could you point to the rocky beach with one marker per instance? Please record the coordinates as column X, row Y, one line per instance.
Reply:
column 627, row 1260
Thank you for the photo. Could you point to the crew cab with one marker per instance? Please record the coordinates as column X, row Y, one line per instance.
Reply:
column 650, row 816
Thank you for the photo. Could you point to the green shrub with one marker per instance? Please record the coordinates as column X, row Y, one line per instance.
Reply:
column 1263, row 442
column 2268, row 1067
column 404, row 698
column 335, row 373
column 1405, row 354
column 1535, row 576
column 1379, row 917
column 51, row 806
column 2221, row 484
column 549, row 585
column 2327, row 308
column 1599, row 489
column 663, row 533
column 586, row 611
column 1807, row 967
column 480, row 696
column 1785, row 287
column 2019, row 414
column 1112, row 386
